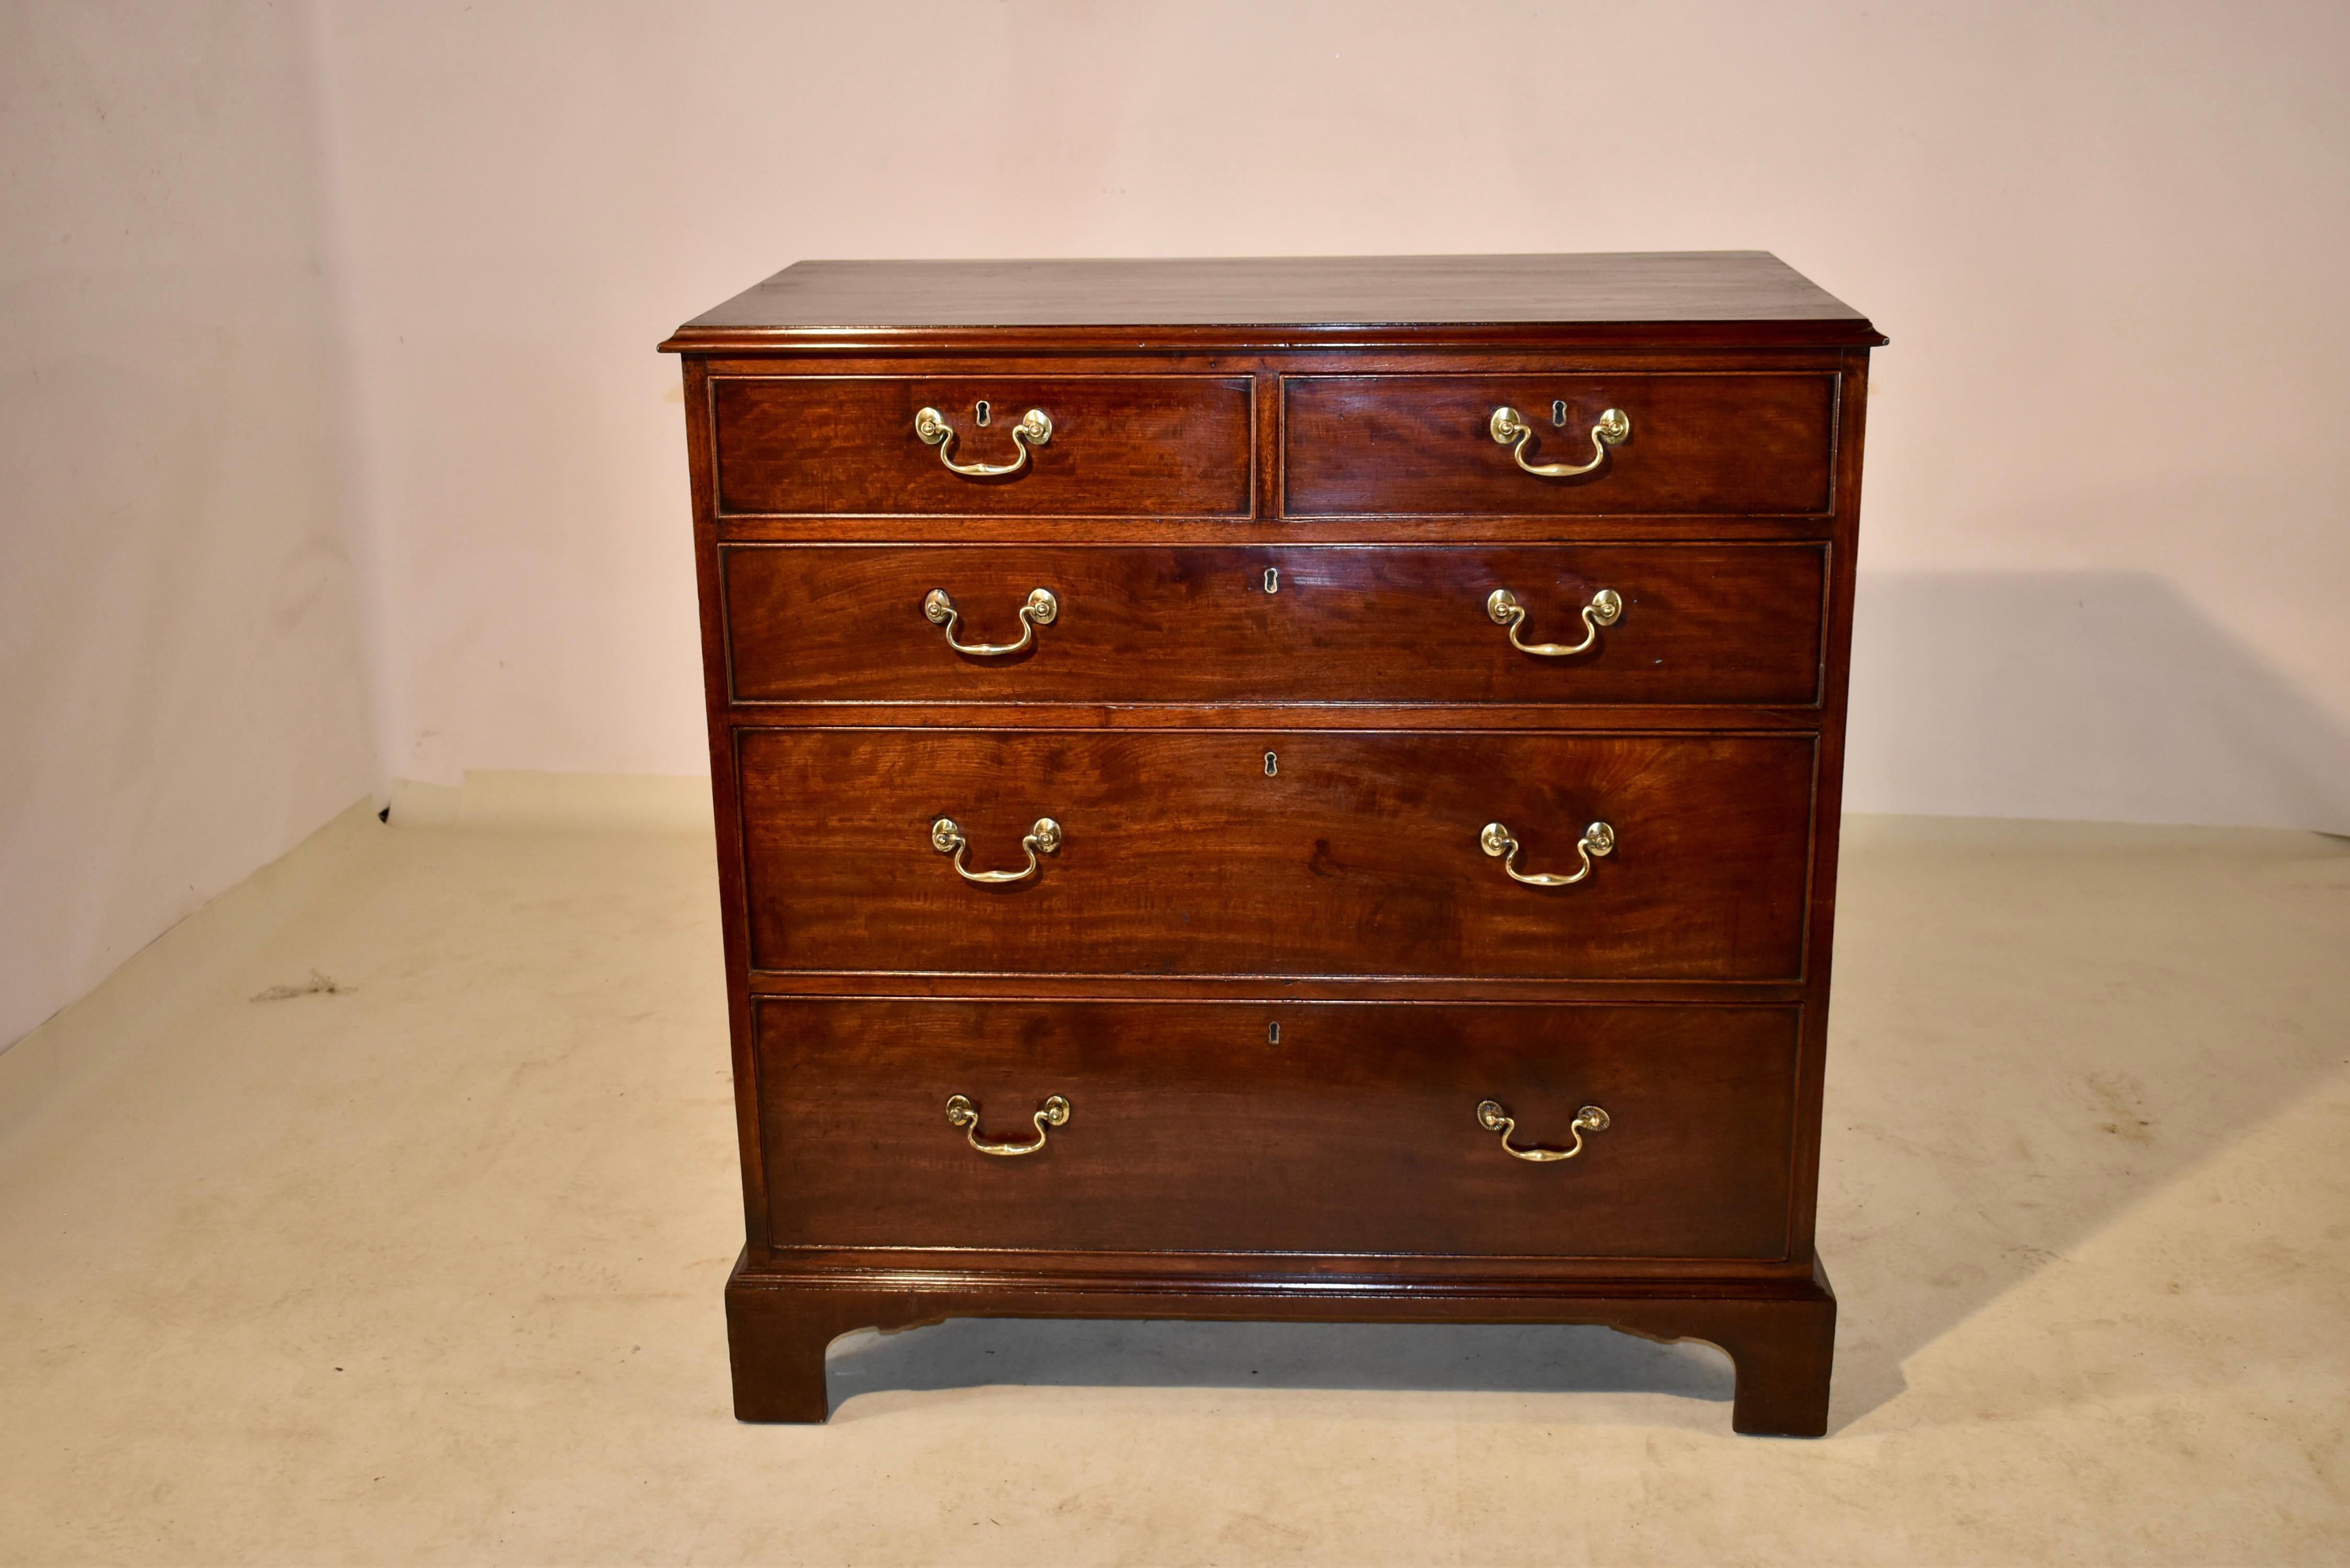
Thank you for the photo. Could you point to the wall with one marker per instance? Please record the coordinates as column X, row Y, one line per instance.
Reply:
column 182, row 682
column 279, row 277
column 2106, row 557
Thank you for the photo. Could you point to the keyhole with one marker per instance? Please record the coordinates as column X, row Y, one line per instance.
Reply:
column 982, row 411
column 1272, row 580
column 1557, row 413
column 1273, row 1033
column 1271, row 763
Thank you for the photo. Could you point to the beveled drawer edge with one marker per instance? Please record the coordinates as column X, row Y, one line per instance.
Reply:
column 1625, row 732
column 1275, row 977
column 856, row 1269
column 1662, row 1262
column 1401, row 530
column 1768, row 995
column 1415, row 990
column 1401, row 717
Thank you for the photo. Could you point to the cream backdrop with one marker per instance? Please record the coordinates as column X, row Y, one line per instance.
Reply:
column 2105, row 563
column 2104, row 547
column 184, row 684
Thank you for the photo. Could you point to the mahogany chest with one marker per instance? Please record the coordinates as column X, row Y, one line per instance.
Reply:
column 1288, row 789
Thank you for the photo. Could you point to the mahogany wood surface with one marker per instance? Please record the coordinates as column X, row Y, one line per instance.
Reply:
column 1651, row 299
column 1122, row 445
column 1358, row 855
column 1192, row 1127
column 1423, row 444
column 1781, row 1338
column 1279, row 414
column 1700, row 624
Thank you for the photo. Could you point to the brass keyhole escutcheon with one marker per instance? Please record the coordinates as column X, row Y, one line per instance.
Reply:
column 1557, row 413
column 1273, row 1033
column 981, row 412
column 1272, row 765
column 1272, row 580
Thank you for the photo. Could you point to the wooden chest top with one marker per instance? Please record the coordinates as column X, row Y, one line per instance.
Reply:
column 1726, row 298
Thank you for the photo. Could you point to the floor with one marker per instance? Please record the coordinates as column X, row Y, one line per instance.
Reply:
column 379, row 1213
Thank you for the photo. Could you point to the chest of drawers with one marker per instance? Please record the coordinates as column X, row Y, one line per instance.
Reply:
column 1288, row 789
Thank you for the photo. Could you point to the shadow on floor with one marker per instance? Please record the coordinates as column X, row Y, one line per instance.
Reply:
column 1500, row 1358
column 2038, row 1029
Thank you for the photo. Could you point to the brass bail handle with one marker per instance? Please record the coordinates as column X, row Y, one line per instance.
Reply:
column 1606, row 608
column 1598, row 840
column 963, row 1114
column 1035, row 429
column 1493, row 1119
column 1510, row 428
column 1042, row 609
column 1044, row 836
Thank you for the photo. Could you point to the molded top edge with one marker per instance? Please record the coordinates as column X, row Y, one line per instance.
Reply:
column 1688, row 296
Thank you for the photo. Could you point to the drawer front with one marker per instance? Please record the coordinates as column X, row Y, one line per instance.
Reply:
column 1365, row 445
column 1341, row 853
column 1191, row 1128
column 1120, row 446
column 1693, row 623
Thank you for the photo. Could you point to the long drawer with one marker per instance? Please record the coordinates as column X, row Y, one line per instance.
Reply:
column 1108, row 446
column 1381, row 445
column 1279, row 1127
column 1304, row 852
column 1654, row 623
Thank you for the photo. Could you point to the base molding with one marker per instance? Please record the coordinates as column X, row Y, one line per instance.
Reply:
column 1780, row 1336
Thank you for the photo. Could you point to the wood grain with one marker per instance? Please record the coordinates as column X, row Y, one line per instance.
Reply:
column 1123, row 446
column 1654, row 300
column 1326, row 417
column 1359, row 857
column 1357, row 1132
column 1359, row 445
column 1780, row 1335
column 1700, row 624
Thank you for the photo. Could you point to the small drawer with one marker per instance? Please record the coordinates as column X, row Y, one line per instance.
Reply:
column 1613, row 624
column 1277, row 853
column 1280, row 1127
column 983, row 446
column 1753, row 444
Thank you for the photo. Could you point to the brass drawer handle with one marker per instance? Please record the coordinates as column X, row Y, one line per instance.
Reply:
column 1598, row 839
column 1509, row 426
column 1035, row 429
column 946, row 838
column 1053, row 1112
column 1606, row 608
column 1041, row 609
column 1493, row 1119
